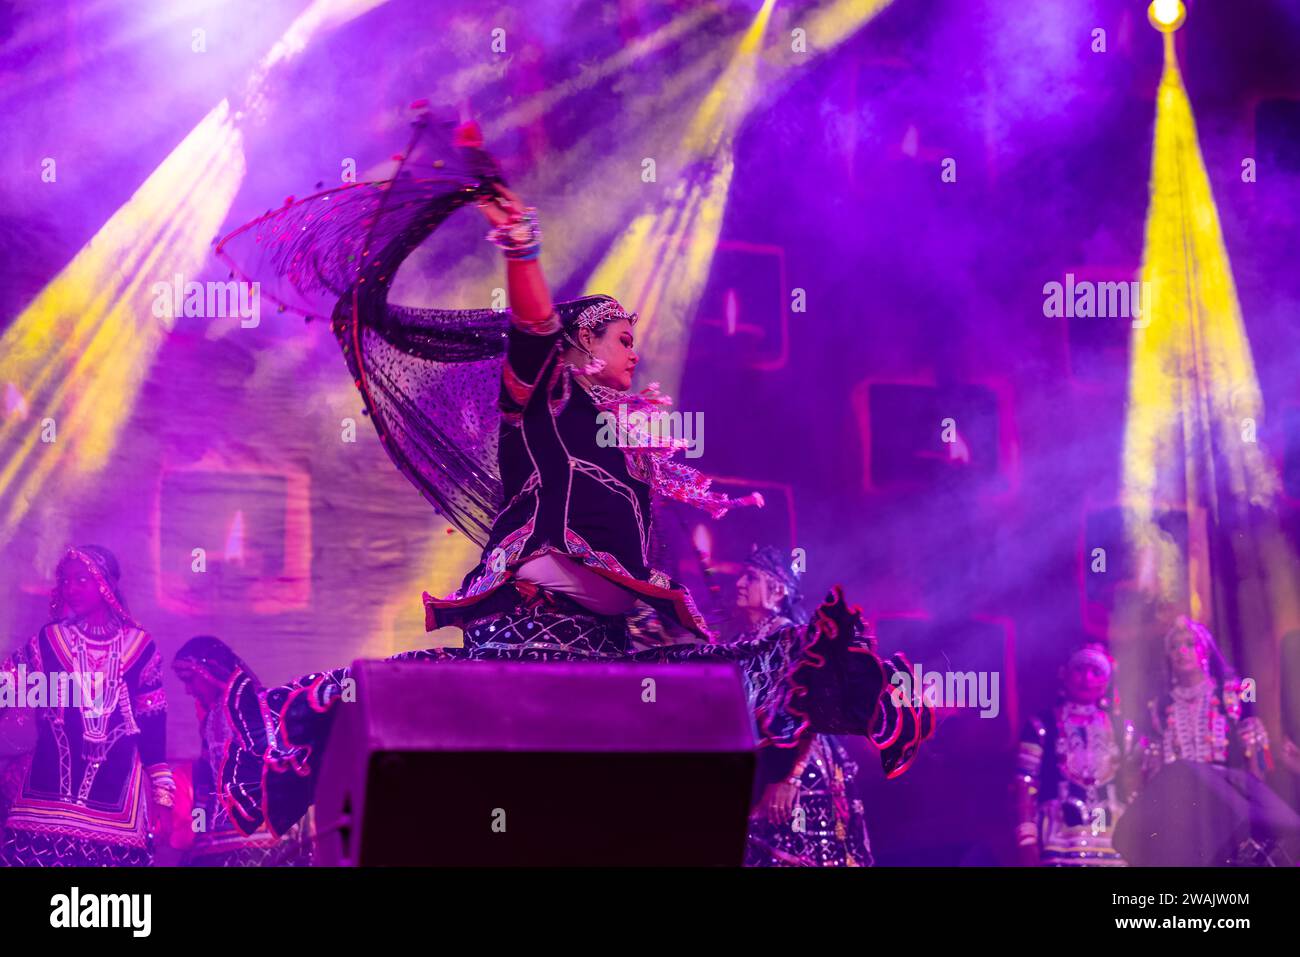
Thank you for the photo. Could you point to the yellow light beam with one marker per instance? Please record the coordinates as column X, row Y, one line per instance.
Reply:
column 1192, row 387
column 836, row 22
column 1195, row 420
column 537, row 105
column 79, row 352
column 660, row 262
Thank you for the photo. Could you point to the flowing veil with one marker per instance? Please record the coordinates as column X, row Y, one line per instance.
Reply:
column 429, row 377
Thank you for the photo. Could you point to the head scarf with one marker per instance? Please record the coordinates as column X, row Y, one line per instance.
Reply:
column 1094, row 652
column 1213, row 661
column 213, row 657
column 776, row 564
column 103, row 567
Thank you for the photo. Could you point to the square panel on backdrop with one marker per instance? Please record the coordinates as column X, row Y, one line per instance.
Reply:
column 253, row 528
column 920, row 435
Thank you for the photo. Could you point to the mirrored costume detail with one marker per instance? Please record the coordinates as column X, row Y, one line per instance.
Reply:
column 1073, row 786
column 99, row 761
column 217, row 842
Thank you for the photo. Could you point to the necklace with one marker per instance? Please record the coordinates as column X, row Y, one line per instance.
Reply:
column 1085, row 745
column 1195, row 727
column 1191, row 692
column 106, row 630
column 105, row 662
column 771, row 623
column 1077, row 711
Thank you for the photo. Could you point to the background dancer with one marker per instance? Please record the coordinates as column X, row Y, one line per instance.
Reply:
column 209, row 669
column 1078, row 767
column 1202, row 716
column 806, row 812
column 99, row 788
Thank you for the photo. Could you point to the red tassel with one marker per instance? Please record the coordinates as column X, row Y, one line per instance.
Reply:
column 467, row 135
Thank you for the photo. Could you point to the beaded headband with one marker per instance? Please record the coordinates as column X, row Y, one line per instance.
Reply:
column 1091, row 654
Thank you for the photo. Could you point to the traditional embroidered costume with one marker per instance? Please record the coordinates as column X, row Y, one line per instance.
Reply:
column 832, row 826
column 1070, row 764
column 100, row 744
column 1207, row 722
column 1075, row 768
column 217, row 842
column 13, row 771
column 828, row 826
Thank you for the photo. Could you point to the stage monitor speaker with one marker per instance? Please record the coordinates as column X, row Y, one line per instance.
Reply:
column 1202, row 815
column 510, row 763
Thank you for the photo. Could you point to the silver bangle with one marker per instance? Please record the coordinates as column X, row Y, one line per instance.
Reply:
column 520, row 238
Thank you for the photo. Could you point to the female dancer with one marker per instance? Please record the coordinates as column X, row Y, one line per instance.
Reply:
column 805, row 813
column 209, row 669
column 1077, row 768
column 498, row 420
column 98, row 786
column 1202, row 717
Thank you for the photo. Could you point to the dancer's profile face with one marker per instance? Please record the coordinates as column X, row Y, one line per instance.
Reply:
column 79, row 588
column 757, row 591
column 198, row 684
column 615, row 346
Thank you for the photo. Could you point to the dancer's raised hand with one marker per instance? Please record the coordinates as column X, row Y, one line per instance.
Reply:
column 503, row 207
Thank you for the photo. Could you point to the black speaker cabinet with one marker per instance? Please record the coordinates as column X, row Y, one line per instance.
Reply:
column 508, row 763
